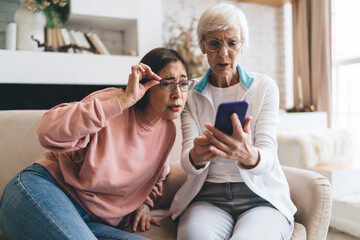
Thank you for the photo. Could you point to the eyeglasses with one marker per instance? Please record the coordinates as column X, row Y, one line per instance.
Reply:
column 170, row 84
column 214, row 45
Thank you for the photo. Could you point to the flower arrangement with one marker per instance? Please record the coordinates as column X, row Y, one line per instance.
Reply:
column 56, row 11
column 183, row 40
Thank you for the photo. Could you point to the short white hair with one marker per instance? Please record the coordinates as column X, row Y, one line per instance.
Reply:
column 221, row 17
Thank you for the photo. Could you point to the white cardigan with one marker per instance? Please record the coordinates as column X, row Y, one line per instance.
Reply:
column 267, row 179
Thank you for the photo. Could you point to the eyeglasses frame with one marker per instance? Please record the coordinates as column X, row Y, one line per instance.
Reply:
column 174, row 86
column 222, row 43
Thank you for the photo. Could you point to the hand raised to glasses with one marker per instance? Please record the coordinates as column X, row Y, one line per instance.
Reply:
column 134, row 89
column 238, row 146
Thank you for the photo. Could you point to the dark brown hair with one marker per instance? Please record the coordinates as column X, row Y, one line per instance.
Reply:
column 157, row 59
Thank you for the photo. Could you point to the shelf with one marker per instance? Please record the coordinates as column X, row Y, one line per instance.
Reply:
column 27, row 67
column 132, row 25
column 140, row 20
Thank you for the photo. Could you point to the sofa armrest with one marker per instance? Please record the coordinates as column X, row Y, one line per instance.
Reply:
column 173, row 182
column 311, row 194
column 19, row 144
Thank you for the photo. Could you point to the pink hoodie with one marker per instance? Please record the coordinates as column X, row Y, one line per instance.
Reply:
column 111, row 161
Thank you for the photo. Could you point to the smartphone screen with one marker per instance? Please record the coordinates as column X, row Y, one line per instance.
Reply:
column 223, row 120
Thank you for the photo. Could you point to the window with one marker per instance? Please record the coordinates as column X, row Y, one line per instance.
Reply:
column 346, row 64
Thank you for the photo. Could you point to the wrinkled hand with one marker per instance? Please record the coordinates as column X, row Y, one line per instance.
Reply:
column 201, row 153
column 141, row 217
column 238, row 146
column 134, row 89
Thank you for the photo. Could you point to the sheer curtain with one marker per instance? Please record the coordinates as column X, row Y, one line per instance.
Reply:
column 312, row 54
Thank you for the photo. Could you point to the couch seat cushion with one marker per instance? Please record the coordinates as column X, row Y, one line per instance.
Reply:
column 166, row 231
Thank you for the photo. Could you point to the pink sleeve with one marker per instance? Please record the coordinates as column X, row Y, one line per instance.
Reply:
column 68, row 126
column 158, row 186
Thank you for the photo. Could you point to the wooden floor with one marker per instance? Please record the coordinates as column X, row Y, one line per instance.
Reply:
column 334, row 234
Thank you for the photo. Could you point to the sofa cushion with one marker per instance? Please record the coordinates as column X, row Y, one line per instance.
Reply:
column 306, row 149
column 166, row 231
column 173, row 182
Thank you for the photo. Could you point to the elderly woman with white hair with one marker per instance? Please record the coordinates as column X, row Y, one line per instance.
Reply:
column 236, row 188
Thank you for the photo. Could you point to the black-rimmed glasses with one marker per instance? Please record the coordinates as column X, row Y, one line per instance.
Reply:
column 170, row 85
column 214, row 45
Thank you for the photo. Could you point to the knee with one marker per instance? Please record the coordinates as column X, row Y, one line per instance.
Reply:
column 7, row 203
column 8, row 194
column 194, row 232
column 247, row 236
column 202, row 230
column 13, row 200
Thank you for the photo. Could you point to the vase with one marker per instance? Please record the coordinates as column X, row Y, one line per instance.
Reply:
column 29, row 24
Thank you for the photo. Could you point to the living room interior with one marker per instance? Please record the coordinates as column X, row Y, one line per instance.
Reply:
column 308, row 47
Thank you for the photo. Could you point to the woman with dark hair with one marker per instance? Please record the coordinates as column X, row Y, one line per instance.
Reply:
column 107, row 158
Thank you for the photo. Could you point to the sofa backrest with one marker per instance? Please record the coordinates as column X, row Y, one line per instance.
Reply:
column 19, row 145
column 176, row 150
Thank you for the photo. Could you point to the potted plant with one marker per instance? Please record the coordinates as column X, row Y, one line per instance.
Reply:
column 55, row 11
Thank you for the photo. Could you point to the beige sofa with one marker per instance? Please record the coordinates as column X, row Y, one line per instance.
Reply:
column 310, row 191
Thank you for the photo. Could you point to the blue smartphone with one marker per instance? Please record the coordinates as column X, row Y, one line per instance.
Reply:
column 223, row 120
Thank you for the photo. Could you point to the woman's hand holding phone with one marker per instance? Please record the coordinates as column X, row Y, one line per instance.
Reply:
column 230, row 138
column 238, row 146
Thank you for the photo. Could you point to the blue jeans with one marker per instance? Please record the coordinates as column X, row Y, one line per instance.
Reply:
column 35, row 206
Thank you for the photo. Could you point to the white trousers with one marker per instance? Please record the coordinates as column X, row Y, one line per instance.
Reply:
column 204, row 221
